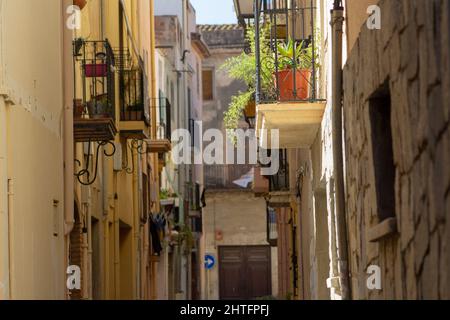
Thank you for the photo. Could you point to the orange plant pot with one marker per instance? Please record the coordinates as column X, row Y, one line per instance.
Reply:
column 286, row 84
column 250, row 109
column 80, row 3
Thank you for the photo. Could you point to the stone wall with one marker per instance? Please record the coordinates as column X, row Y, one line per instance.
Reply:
column 411, row 53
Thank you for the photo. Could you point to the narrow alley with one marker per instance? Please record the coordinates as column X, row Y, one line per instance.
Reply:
column 231, row 150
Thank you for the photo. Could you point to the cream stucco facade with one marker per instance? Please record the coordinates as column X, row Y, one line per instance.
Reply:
column 31, row 108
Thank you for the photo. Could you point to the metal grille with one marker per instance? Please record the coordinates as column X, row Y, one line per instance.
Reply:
column 94, row 79
column 286, row 51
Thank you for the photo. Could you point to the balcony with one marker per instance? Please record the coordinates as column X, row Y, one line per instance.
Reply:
column 94, row 100
column 194, row 198
column 279, row 187
column 162, row 144
column 287, row 52
column 227, row 177
column 261, row 185
column 134, row 105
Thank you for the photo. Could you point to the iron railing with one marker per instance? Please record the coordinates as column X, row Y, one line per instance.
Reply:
column 134, row 104
column 280, row 180
column 94, row 80
column 132, row 96
column 193, row 195
column 226, row 176
column 286, row 51
column 164, row 128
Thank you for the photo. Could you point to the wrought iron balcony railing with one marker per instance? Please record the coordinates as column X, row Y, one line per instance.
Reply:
column 226, row 176
column 94, row 90
column 94, row 79
column 164, row 129
column 286, row 51
column 280, row 180
column 194, row 196
column 134, row 105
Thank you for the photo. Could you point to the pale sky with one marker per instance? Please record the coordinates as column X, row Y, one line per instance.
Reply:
column 214, row 11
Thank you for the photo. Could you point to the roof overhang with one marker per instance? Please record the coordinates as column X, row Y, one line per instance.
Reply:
column 200, row 45
column 244, row 9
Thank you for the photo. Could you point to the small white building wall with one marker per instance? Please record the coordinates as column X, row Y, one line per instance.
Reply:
column 169, row 7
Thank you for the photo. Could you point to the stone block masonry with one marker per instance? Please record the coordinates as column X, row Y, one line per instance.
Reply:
column 410, row 55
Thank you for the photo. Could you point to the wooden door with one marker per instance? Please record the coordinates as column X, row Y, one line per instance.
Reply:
column 244, row 272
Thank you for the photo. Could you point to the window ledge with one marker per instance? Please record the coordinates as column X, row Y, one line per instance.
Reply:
column 382, row 230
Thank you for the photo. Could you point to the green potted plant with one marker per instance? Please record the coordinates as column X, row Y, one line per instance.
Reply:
column 99, row 107
column 243, row 68
column 295, row 61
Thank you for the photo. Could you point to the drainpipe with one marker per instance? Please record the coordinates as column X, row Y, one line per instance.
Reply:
column 68, row 93
column 139, row 227
column 153, row 71
column 184, row 271
column 10, row 241
column 136, row 227
column 87, row 246
column 337, row 21
column 68, row 140
column 4, row 196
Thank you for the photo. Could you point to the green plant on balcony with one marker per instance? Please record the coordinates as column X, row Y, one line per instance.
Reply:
column 243, row 68
column 164, row 194
column 99, row 107
column 300, row 57
column 184, row 236
column 295, row 66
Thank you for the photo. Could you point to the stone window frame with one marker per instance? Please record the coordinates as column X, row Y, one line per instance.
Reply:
column 387, row 224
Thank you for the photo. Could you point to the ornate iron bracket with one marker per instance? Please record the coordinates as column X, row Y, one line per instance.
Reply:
column 85, row 176
column 137, row 145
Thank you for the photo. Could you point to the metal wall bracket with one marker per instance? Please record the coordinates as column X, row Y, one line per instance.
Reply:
column 85, row 176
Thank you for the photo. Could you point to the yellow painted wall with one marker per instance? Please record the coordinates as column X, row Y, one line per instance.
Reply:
column 31, row 156
column 121, row 256
column 31, row 80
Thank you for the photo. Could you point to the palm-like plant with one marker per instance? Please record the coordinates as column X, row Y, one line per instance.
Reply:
column 296, row 56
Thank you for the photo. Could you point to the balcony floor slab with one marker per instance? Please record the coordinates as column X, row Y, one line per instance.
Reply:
column 298, row 123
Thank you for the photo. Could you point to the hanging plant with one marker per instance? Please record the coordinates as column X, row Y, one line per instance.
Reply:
column 243, row 68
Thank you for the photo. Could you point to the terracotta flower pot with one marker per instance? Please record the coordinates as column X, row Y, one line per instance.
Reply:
column 286, row 84
column 80, row 3
column 250, row 109
column 78, row 108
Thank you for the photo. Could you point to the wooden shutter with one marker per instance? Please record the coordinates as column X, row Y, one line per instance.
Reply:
column 207, row 78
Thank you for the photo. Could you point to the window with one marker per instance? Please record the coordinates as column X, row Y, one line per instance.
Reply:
column 197, row 72
column 207, row 77
column 272, row 227
column 383, row 156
